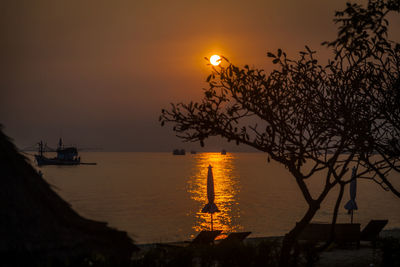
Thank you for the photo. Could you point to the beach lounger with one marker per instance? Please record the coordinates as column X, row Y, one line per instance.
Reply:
column 320, row 232
column 235, row 237
column 205, row 237
column 372, row 230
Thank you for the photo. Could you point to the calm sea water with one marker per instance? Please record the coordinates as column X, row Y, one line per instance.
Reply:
column 157, row 197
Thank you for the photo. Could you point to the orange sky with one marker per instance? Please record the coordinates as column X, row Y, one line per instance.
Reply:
column 99, row 72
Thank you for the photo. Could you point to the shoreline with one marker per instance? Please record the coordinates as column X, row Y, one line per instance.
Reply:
column 250, row 240
column 393, row 232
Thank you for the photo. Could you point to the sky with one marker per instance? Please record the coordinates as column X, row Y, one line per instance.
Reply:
column 98, row 73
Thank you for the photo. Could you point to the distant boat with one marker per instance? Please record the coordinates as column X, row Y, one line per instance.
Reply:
column 223, row 152
column 178, row 152
column 65, row 156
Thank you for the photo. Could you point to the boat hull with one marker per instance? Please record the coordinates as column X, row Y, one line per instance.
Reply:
column 41, row 160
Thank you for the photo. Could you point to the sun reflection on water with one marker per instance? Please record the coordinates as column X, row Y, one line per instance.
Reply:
column 227, row 188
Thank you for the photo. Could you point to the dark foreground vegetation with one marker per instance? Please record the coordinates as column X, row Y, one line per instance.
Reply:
column 390, row 248
column 38, row 228
column 265, row 253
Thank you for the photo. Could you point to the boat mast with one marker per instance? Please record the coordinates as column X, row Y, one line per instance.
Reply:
column 60, row 144
column 41, row 148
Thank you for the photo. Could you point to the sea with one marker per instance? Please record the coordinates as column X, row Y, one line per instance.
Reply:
column 158, row 197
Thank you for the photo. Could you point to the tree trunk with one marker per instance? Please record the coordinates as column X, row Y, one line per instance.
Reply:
column 334, row 219
column 290, row 239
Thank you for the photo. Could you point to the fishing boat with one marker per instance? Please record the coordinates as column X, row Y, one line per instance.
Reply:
column 65, row 155
column 178, row 152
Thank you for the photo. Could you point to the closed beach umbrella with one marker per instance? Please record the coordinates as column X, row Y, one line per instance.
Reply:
column 210, row 207
column 351, row 205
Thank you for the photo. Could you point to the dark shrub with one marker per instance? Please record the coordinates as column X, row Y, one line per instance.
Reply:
column 390, row 251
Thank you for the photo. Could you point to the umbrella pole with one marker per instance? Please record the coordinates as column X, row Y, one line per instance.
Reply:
column 211, row 222
column 352, row 216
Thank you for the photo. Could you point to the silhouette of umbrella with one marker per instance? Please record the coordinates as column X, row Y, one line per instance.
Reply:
column 210, row 207
column 351, row 205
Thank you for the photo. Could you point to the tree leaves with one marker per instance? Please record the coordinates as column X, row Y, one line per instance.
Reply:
column 269, row 54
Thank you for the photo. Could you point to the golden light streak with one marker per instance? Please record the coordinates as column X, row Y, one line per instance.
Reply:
column 226, row 193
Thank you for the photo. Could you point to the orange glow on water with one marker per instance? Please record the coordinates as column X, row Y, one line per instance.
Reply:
column 227, row 188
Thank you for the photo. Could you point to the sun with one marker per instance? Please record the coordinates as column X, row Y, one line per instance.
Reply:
column 215, row 60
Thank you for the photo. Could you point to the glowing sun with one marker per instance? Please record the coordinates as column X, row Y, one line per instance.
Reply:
column 215, row 60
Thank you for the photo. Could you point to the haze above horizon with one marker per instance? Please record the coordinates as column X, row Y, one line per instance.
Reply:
column 98, row 73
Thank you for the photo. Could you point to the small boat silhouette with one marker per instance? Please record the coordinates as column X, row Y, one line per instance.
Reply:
column 65, row 156
column 178, row 152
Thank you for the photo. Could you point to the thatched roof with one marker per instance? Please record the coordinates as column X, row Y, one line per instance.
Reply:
column 36, row 222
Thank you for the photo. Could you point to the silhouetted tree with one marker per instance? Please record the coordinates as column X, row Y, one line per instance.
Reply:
column 313, row 119
column 362, row 47
column 363, row 44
